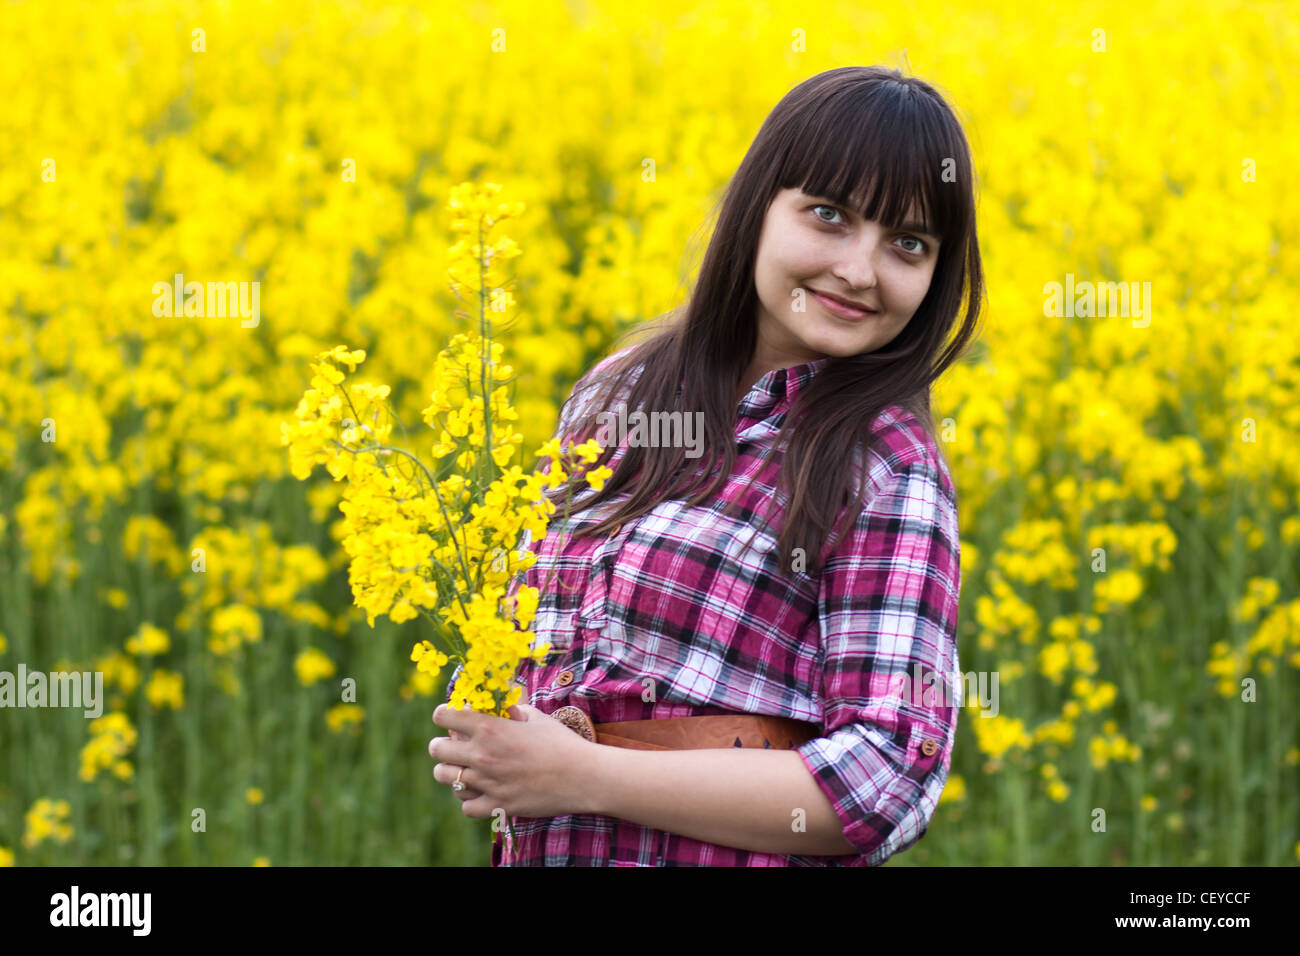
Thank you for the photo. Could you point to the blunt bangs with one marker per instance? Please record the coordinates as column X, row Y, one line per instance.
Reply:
column 881, row 150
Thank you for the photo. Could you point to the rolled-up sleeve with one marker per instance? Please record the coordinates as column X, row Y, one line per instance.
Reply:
column 887, row 607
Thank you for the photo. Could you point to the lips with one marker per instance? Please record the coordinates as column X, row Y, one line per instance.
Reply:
column 840, row 306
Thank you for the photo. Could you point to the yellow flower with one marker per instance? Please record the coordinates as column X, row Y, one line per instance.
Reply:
column 6, row 856
column 598, row 476
column 1117, row 588
column 312, row 665
column 954, row 791
column 262, row 861
column 232, row 626
column 526, row 605
column 148, row 640
column 588, row 451
column 119, row 671
column 1102, row 697
column 148, row 535
column 166, row 689
column 1057, row 731
column 997, row 735
column 418, row 682
column 47, row 820
column 253, row 795
column 112, row 737
column 342, row 717
column 429, row 660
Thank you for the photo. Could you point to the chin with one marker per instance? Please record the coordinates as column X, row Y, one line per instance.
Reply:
column 836, row 350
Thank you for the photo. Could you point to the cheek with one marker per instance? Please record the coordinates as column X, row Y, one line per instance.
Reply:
column 897, row 326
column 907, row 288
column 775, row 275
column 796, row 253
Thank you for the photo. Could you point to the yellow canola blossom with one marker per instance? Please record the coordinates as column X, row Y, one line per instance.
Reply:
column 112, row 738
column 148, row 641
column 165, row 689
column 46, row 820
column 345, row 718
column 311, row 665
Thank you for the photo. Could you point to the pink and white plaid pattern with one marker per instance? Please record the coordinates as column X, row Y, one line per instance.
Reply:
column 670, row 604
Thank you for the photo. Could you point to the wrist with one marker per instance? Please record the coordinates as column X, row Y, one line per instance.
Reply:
column 592, row 776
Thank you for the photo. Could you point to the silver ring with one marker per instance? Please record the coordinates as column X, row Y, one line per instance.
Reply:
column 458, row 786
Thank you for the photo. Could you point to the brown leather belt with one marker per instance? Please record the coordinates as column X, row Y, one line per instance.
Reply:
column 692, row 733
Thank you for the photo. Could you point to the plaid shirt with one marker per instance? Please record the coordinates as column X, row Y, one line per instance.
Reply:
column 668, row 602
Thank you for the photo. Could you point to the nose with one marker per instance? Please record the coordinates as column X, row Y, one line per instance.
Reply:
column 857, row 267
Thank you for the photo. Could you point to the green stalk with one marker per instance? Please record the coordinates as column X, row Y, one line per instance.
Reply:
column 149, row 818
column 1235, row 831
column 1013, row 783
column 193, row 846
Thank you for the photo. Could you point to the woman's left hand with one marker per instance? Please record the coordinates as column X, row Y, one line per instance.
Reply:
column 528, row 766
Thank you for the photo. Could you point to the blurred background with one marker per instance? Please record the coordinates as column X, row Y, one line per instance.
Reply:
column 1127, row 488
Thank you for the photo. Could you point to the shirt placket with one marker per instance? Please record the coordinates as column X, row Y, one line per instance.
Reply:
column 588, row 622
column 593, row 613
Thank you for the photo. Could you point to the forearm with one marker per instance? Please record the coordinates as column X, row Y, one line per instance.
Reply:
column 745, row 798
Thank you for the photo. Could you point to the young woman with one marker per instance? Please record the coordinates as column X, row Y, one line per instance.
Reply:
column 753, row 630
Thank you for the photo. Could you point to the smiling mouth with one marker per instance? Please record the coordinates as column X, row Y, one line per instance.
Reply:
column 840, row 307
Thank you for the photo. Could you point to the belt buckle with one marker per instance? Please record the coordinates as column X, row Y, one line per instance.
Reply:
column 577, row 721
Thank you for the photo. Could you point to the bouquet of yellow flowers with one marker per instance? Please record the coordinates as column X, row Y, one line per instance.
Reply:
column 441, row 538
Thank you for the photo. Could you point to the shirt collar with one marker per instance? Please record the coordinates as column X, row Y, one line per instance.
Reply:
column 779, row 387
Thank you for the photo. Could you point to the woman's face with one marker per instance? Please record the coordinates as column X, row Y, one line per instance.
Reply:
column 810, row 246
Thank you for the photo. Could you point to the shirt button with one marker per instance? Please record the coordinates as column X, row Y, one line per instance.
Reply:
column 564, row 679
column 928, row 747
column 617, row 529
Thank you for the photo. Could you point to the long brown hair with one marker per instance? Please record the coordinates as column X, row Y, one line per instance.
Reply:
column 868, row 138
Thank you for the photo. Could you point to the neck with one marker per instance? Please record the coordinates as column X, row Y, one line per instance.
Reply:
column 753, row 372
